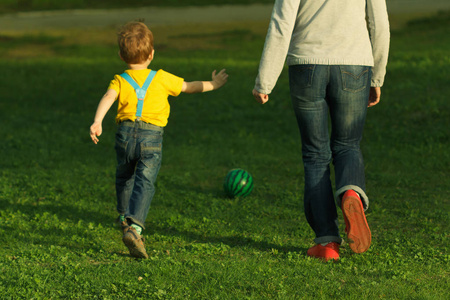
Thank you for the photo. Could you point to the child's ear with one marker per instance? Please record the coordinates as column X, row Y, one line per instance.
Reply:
column 150, row 57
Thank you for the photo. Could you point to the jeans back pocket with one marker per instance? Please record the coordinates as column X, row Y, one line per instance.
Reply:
column 150, row 148
column 355, row 78
column 301, row 76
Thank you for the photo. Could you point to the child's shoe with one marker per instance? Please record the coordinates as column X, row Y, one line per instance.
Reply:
column 327, row 252
column 356, row 227
column 122, row 222
column 134, row 243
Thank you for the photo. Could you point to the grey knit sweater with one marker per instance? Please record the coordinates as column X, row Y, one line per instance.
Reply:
column 325, row 32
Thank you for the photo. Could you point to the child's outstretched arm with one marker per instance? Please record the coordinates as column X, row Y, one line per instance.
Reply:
column 218, row 80
column 105, row 104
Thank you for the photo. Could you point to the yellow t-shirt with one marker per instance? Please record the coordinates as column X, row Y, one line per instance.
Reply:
column 156, row 108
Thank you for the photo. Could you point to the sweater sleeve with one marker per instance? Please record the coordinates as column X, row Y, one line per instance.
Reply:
column 378, row 25
column 276, row 45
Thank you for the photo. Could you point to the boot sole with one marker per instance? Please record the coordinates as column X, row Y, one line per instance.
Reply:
column 358, row 232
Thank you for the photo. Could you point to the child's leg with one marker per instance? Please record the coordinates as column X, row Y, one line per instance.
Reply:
column 144, row 189
column 124, row 186
column 149, row 150
column 125, row 168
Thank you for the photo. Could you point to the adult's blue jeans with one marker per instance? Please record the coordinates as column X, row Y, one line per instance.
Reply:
column 320, row 94
column 139, row 153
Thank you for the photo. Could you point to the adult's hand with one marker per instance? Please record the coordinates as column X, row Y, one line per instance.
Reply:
column 374, row 96
column 261, row 98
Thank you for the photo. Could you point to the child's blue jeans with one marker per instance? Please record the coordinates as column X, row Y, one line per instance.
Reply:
column 341, row 94
column 139, row 153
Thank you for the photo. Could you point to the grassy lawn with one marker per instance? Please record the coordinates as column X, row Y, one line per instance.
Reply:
column 57, row 195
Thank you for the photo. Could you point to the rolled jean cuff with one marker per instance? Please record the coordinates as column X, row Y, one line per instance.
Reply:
column 362, row 194
column 135, row 221
column 327, row 239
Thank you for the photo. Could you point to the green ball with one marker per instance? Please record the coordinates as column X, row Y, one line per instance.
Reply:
column 238, row 183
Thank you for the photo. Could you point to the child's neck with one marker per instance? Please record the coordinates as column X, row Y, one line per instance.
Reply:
column 142, row 66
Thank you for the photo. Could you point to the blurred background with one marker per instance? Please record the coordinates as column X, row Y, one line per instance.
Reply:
column 32, row 15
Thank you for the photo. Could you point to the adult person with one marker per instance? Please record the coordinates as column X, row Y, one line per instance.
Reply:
column 337, row 54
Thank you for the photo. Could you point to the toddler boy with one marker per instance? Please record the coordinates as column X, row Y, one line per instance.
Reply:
column 143, row 110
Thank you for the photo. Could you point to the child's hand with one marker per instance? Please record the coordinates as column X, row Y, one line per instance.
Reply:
column 96, row 130
column 220, row 79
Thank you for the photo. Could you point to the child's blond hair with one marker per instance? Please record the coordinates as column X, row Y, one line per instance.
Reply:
column 135, row 42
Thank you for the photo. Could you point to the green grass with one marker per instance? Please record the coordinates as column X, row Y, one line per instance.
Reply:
column 57, row 193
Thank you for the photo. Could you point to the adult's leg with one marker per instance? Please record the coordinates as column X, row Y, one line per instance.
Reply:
column 308, row 85
column 349, row 94
column 348, row 97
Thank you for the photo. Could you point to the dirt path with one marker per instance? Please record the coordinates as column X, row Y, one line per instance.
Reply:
column 36, row 21
column 153, row 16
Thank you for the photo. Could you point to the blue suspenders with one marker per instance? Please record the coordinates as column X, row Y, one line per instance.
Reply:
column 140, row 91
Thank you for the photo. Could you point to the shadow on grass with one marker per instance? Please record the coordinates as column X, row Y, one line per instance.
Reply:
column 62, row 212
column 48, row 224
column 231, row 241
